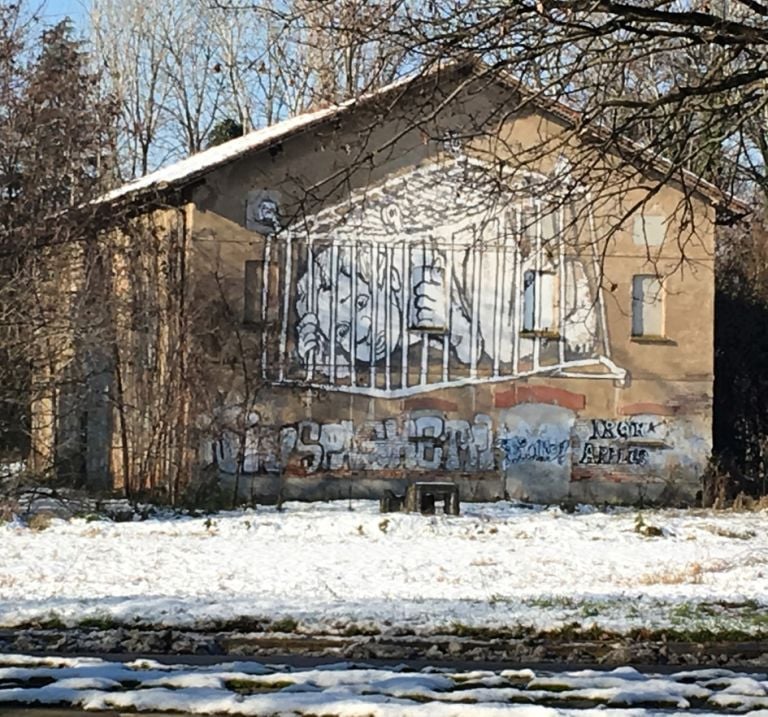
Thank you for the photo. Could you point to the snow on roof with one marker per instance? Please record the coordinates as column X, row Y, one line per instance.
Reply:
column 219, row 154
column 258, row 139
column 208, row 159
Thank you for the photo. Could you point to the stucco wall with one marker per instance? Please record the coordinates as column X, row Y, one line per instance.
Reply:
column 386, row 335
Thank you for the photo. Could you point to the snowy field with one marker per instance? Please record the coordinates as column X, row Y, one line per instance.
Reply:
column 349, row 690
column 329, row 567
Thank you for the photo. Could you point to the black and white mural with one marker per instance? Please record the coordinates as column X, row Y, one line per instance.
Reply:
column 436, row 277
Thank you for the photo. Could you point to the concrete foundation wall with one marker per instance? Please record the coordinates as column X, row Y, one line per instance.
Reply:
column 537, row 442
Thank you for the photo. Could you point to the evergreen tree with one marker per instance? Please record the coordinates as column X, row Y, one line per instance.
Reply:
column 224, row 131
column 55, row 135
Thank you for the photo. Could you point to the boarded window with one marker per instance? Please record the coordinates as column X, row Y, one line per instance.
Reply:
column 647, row 306
column 529, row 301
column 648, row 230
column 539, row 301
column 252, row 282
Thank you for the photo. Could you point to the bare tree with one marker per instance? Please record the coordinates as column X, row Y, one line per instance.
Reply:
column 179, row 69
column 162, row 63
column 131, row 54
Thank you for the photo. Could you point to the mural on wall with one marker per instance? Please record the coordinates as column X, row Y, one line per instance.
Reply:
column 434, row 278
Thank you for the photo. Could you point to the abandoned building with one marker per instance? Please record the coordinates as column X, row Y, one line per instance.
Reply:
column 415, row 285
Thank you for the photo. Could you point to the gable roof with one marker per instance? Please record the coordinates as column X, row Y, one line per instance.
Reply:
column 208, row 159
column 196, row 165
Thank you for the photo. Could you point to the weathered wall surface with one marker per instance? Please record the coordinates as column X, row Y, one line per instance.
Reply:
column 528, row 441
column 417, row 321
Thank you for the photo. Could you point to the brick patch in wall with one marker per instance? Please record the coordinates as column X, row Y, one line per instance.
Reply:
column 613, row 476
column 539, row 394
column 656, row 409
column 505, row 399
column 553, row 396
column 430, row 403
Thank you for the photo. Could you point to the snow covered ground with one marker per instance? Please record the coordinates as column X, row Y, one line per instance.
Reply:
column 327, row 567
column 350, row 690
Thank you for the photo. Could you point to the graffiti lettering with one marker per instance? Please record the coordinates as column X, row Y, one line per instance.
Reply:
column 605, row 429
column 423, row 442
column 518, row 449
column 595, row 454
column 428, row 441
column 609, row 442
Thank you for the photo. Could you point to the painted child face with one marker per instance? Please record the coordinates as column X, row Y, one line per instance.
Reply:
column 367, row 316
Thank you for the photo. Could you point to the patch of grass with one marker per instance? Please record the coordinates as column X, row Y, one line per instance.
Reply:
column 590, row 610
column 694, row 622
column 51, row 622
column 98, row 622
column 252, row 687
column 684, row 611
column 656, row 703
column 549, row 686
column 285, row 624
column 712, row 622
column 420, row 698
column 553, row 602
column 497, row 599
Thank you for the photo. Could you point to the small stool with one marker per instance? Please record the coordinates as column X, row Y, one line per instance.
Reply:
column 422, row 497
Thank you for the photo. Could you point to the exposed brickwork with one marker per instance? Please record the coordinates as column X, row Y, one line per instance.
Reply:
column 553, row 396
column 656, row 409
column 612, row 476
column 505, row 399
column 524, row 393
column 430, row 403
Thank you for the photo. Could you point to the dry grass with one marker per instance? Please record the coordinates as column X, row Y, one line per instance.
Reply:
column 723, row 532
column 8, row 508
column 40, row 521
column 689, row 575
column 93, row 532
column 483, row 563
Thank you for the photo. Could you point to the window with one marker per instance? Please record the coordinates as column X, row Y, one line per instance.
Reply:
column 251, row 283
column 648, row 230
column 647, row 307
column 539, row 302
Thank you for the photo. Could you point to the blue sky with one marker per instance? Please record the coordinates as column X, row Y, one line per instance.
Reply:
column 55, row 10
